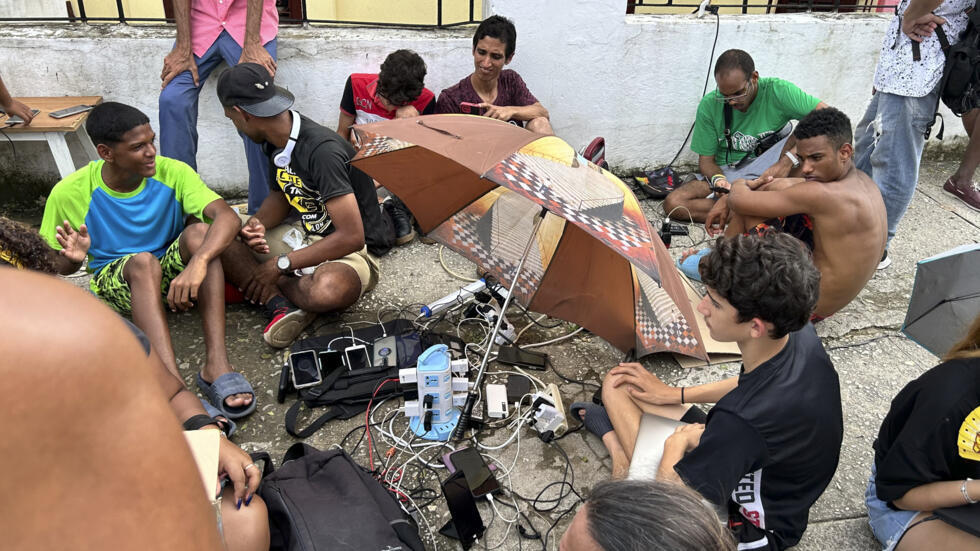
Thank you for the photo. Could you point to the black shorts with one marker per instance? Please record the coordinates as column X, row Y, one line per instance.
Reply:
column 745, row 532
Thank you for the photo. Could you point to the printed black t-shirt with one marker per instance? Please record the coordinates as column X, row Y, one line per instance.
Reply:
column 320, row 170
column 771, row 445
column 917, row 442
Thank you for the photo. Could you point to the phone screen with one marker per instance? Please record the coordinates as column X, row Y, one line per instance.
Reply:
column 462, row 507
column 524, row 358
column 478, row 476
column 357, row 358
column 330, row 360
column 305, row 370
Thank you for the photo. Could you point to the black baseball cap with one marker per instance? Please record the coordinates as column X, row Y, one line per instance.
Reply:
column 249, row 86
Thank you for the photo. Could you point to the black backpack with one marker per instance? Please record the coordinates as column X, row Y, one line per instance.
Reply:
column 959, row 87
column 322, row 500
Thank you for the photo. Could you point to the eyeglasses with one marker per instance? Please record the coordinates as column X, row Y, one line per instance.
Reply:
column 381, row 94
column 744, row 92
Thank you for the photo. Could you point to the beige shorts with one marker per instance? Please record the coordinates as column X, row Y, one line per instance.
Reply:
column 363, row 262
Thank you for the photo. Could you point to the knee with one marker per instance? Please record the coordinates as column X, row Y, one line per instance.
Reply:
column 193, row 236
column 143, row 266
column 247, row 528
column 612, row 395
column 176, row 98
column 334, row 288
column 540, row 125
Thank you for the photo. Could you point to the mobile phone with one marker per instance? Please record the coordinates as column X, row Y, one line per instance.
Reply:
column 513, row 355
column 330, row 360
column 305, row 369
column 69, row 111
column 462, row 507
column 357, row 357
column 14, row 119
column 478, row 476
column 471, row 108
column 385, row 352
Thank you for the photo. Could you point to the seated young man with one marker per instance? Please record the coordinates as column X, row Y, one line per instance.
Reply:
column 323, row 262
column 779, row 418
column 835, row 209
column 498, row 93
column 756, row 112
column 397, row 92
column 126, row 213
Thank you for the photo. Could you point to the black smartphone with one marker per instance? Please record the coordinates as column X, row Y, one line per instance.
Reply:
column 522, row 358
column 305, row 369
column 466, row 517
column 478, row 476
column 330, row 360
column 357, row 357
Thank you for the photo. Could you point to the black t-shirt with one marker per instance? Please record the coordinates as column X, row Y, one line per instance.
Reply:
column 772, row 444
column 320, row 170
column 918, row 440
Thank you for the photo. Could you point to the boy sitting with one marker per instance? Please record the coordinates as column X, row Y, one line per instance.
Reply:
column 779, row 418
column 127, row 214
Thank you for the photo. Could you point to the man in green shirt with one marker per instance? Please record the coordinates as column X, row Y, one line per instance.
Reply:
column 742, row 130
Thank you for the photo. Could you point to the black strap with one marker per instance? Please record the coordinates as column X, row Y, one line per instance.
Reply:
column 338, row 411
column 944, row 45
column 727, row 113
column 267, row 466
column 195, row 422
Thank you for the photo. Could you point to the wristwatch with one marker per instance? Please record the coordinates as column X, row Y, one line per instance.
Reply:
column 283, row 263
column 793, row 159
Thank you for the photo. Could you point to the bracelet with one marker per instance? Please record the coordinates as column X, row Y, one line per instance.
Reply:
column 792, row 158
column 717, row 177
column 682, row 400
column 966, row 495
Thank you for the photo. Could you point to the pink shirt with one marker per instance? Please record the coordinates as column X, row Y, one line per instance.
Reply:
column 210, row 17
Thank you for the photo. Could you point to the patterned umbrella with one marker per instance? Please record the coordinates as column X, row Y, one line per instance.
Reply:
column 477, row 185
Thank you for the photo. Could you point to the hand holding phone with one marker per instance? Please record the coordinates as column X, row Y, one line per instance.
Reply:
column 14, row 119
column 471, row 108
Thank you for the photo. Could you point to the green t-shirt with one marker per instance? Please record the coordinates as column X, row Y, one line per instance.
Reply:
column 777, row 102
column 147, row 219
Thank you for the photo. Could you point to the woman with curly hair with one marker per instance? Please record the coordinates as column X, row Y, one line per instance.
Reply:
column 23, row 248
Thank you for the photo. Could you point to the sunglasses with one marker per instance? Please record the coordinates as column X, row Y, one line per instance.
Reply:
column 746, row 90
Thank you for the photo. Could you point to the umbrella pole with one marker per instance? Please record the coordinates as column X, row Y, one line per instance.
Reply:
column 464, row 418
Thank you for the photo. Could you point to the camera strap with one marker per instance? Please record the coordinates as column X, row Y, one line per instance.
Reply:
column 727, row 113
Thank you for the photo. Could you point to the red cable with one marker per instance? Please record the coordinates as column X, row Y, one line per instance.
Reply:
column 367, row 419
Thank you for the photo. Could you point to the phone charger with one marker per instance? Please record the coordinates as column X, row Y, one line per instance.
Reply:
column 496, row 398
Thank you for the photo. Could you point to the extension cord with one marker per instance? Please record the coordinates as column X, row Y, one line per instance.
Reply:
column 548, row 412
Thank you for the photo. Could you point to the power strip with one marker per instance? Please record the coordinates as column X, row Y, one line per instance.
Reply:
column 548, row 412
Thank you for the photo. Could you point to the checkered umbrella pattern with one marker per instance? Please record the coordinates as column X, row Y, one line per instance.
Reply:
column 476, row 185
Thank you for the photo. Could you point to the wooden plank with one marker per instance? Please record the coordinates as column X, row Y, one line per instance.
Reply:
column 43, row 123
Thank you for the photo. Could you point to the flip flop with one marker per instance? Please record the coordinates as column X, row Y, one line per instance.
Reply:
column 689, row 266
column 229, row 426
column 225, row 386
column 596, row 419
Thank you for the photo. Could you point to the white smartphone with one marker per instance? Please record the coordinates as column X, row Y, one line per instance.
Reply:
column 357, row 357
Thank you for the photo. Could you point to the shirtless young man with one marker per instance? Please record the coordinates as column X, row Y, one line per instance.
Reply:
column 836, row 209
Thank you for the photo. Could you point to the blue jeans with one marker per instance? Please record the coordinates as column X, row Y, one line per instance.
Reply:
column 178, row 117
column 887, row 524
column 888, row 146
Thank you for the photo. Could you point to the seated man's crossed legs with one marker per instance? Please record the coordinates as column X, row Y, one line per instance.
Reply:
column 296, row 299
column 134, row 284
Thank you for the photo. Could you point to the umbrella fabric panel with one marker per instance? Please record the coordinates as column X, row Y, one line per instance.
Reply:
column 493, row 232
column 660, row 324
column 943, row 326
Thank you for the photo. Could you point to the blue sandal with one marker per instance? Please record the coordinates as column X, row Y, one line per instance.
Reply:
column 225, row 424
column 689, row 266
column 225, row 386
column 596, row 419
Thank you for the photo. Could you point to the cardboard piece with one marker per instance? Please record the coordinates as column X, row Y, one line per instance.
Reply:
column 204, row 447
column 718, row 352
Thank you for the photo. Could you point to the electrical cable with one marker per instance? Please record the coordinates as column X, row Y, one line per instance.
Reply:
column 707, row 78
column 449, row 271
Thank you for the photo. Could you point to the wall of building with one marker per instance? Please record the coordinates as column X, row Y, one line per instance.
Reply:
column 635, row 80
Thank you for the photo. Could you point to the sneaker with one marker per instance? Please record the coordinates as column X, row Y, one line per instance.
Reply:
column 596, row 152
column 885, row 261
column 969, row 194
column 287, row 322
column 402, row 219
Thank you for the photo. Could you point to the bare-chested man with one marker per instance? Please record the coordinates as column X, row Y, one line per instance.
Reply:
column 835, row 209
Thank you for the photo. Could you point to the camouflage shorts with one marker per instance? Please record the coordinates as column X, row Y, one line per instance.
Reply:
column 109, row 284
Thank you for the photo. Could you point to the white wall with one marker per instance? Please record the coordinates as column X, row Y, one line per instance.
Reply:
column 634, row 79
